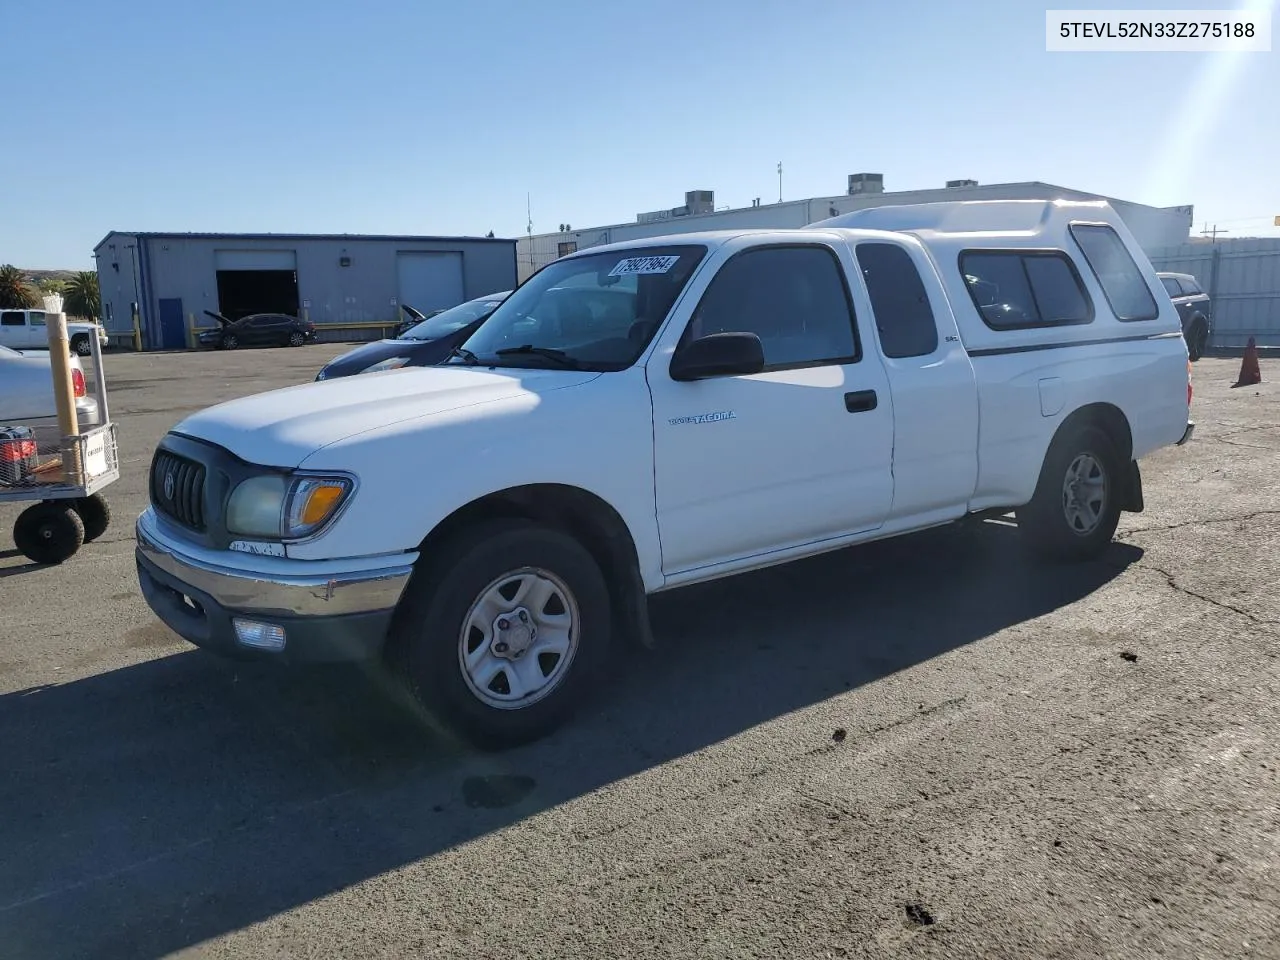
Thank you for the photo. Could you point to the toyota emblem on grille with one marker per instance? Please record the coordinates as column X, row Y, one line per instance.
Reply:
column 168, row 485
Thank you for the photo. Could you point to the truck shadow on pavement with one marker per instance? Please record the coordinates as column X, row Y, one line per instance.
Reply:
column 156, row 806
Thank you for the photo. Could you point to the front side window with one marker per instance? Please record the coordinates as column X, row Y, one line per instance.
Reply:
column 899, row 300
column 37, row 318
column 1121, row 280
column 1017, row 289
column 793, row 298
column 1189, row 287
column 1171, row 286
column 596, row 311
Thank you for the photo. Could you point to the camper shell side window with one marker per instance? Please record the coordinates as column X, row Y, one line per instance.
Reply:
column 1021, row 289
column 1117, row 274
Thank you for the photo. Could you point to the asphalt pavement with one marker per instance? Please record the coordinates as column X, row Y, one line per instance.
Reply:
column 927, row 747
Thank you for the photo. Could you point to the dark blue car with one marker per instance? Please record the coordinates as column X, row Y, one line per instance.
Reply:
column 422, row 345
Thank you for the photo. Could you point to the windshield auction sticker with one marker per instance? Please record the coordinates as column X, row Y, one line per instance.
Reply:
column 635, row 265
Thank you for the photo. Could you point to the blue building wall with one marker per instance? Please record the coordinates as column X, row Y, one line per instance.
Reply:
column 149, row 267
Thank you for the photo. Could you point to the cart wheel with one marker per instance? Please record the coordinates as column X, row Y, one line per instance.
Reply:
column 95, row 513
column 48, row 532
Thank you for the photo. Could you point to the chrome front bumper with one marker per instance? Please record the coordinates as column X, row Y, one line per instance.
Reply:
column 329, row 611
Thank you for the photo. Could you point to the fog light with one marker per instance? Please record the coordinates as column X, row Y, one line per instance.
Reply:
column 263, row 636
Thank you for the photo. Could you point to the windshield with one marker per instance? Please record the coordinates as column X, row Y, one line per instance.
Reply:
column 590, row 312
column 451, row 320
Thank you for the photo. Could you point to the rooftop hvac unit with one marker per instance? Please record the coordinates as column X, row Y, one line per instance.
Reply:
column 700, row 201
column 961, row 183
column 866, row 183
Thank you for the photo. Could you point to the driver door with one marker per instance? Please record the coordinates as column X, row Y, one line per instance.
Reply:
column 747, row 465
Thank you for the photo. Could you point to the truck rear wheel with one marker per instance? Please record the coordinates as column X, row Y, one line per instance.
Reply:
column 501, row 634
column 1076, row 507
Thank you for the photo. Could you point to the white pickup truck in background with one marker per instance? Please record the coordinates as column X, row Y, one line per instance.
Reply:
column 645, row 415
column 27, row 330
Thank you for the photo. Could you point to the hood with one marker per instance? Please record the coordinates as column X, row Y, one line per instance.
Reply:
column 222, row 321
column 281, row 428
column 368, row 354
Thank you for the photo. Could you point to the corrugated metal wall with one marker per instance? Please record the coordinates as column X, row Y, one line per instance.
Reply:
column 1242, row 277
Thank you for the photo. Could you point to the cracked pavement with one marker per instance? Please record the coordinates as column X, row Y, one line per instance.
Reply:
column 924, row 748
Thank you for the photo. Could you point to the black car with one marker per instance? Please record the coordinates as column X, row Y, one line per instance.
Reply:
column 1195, row 309
column 427, row 342
column 258, row 330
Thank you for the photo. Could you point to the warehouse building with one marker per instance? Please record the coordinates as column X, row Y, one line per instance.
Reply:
column 1153, row 227
column 350, row 286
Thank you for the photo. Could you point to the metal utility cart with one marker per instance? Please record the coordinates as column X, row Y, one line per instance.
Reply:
column 70, row 509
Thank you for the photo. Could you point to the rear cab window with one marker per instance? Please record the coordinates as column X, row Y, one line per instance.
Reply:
column 1117, row 274
column 1022, row 289
column 903, row 315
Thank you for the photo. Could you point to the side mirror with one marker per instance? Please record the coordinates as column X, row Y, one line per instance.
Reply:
column 718, row 355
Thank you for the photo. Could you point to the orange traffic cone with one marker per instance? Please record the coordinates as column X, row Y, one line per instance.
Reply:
column 1250, row 372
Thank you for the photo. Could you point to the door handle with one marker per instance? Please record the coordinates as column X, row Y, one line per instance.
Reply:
column 860, row 401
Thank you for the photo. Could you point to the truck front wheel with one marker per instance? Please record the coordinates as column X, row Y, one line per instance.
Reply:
column 1076, row 507
column 502, row 632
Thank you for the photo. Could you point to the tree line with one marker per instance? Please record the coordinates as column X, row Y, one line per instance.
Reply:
column 80, row 296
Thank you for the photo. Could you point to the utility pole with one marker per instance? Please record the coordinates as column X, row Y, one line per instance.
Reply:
column 779, row 181
column 1212, row 234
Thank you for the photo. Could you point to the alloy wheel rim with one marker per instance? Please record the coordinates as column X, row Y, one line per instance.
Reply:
column 1084, row 494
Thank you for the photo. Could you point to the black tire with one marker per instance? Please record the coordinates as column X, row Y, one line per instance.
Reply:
column 1197, row 340
column 296, row 339
column 426, row 638
column 1046, row 522
column 230, row 342
column 95, row 514
column 48, row 532
column 80, row 344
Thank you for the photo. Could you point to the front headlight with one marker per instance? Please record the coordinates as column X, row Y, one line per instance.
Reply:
column 281, row 508
column 393, row 363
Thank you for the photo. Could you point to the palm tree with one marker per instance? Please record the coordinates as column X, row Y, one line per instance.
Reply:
column 15, row 292
column 82, row 298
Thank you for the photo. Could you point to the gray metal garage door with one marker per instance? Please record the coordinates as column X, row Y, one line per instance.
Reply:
column 430, row 281
column 255, row 260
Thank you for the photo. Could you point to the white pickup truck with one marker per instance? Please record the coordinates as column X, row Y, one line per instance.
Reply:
column 27, row 330
column 645, row 415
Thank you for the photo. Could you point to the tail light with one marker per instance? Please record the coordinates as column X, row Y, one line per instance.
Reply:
column 77, row 382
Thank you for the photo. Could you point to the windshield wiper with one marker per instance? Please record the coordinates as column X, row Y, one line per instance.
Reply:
column 465, row 355
column 559, row 356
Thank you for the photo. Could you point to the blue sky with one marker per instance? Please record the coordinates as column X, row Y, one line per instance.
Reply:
column 419, row 116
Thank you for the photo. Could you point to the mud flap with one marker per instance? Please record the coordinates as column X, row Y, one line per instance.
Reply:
column 1132, row 501
column 631, row 603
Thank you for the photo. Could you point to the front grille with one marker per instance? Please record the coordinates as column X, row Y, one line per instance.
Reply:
column 177, row 489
